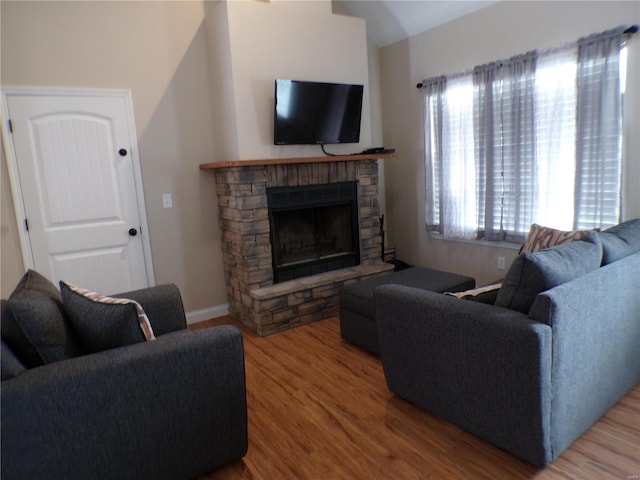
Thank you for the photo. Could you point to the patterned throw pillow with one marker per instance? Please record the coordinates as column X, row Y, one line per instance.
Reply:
column 474, row 292
column 102, row 322
column 486, row 294
column 541, row 237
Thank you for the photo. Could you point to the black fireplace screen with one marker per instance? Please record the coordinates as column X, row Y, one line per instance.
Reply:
column 314, row 229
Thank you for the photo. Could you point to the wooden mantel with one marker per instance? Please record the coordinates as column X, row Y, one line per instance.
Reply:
column 289, row 161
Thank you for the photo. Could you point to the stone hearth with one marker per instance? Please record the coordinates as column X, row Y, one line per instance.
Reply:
column 253, row 297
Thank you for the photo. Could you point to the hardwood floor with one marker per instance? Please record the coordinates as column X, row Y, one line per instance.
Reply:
column 319, row 409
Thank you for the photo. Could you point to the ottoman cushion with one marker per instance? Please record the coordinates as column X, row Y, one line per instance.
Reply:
column 357, row 308
column 358, row 297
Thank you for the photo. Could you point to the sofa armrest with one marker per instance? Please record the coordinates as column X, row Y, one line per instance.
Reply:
column 163, row 305
column 596, row 333
column 167, row 409
column 484, row 368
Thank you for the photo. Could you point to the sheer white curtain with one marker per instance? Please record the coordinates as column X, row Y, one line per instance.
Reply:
column 458, row 172
column 599, row 130
column 450, row 165
column 555, row 138
column 505, row 131
column 433, row 99
column 532, row 139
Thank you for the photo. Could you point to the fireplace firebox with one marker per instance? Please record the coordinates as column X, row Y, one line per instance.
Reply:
column 314, row 229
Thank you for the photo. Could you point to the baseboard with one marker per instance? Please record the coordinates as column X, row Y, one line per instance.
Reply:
column 207, row 313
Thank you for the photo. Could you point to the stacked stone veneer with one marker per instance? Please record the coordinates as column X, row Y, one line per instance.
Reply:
column 246, row 246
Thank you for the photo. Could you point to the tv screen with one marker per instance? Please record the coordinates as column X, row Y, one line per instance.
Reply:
column 316, row 113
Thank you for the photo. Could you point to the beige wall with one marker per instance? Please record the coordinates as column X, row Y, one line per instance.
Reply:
column 290, row 40
column 499, row 31
column 158, row 50
column 377, row 139
column 10, row 255
column 225, row 131
column 375, row 105
column 201, row 74
column 202, row 82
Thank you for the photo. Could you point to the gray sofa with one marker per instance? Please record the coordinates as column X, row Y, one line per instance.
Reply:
column 534, row 374
column 172, row 408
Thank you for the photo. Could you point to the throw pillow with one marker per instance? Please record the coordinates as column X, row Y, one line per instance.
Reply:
column 474, row 292
column 533, row 273
column 10, row 365
column 102, row 322
column 620, row 241
column 540, row 237
column 486, row 294
column 34, row 325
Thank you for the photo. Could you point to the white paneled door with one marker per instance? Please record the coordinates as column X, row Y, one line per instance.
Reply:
column 74, row 163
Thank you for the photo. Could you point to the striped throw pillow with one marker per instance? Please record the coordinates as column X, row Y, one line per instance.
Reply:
column 540, row 237
column 103, row 322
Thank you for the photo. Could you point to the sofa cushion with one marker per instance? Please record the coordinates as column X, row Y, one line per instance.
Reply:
column 104, row 322
column 34, row 325
column 620, row 241
column 533, row 273
column 10, row 365
column 540, row 238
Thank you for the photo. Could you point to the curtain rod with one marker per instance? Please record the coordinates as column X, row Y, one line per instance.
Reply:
column 631, row 30
column 628, row 32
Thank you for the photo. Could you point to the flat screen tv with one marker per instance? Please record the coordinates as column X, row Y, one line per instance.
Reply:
column 316, row 113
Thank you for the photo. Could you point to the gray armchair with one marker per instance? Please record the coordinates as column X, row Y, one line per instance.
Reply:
column 172, row 408
column 530, row 383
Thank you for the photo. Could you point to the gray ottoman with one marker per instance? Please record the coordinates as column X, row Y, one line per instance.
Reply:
column 357, row 310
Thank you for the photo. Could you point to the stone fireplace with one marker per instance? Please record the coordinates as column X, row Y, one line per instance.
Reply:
column 280, row 279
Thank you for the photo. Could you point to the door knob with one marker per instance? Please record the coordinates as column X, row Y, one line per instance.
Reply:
column 122, row 152
column 133, row 232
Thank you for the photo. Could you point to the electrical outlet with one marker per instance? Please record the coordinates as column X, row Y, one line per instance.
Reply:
column 167, row 201
column 501, row 264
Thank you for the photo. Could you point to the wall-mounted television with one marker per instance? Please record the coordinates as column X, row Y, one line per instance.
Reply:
column 308, row 113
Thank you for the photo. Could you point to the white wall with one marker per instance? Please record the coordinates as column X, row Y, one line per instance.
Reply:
column 497, row 32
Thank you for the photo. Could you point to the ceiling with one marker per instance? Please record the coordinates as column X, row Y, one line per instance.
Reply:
column 389, row 21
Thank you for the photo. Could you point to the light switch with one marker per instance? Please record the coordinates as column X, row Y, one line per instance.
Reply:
column 167, row 201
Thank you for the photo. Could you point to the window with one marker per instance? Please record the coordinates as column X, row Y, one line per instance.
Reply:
column 536, row 138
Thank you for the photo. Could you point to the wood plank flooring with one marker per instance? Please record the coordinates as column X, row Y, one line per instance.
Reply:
column 319, row 409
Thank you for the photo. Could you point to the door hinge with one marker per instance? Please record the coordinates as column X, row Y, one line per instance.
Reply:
column 26, row 224
column 10, row 126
